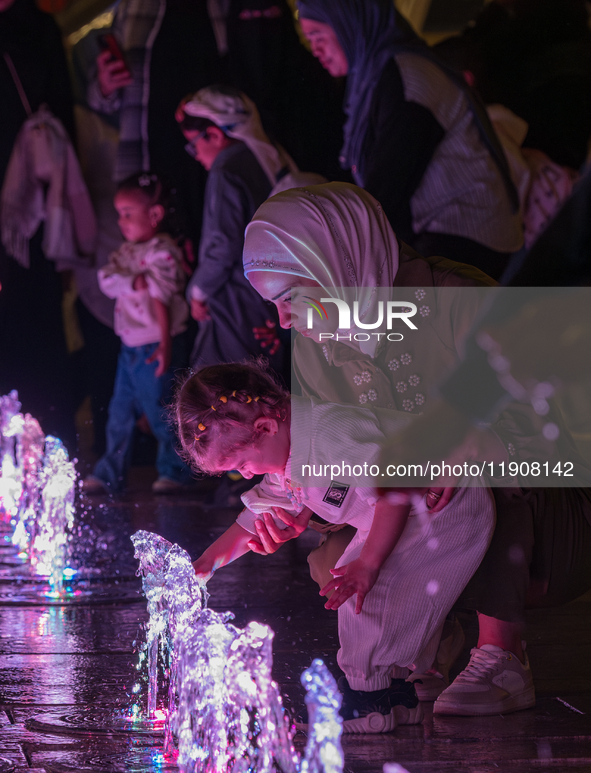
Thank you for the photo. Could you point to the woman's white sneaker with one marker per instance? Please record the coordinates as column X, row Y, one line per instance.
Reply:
column 494, row 682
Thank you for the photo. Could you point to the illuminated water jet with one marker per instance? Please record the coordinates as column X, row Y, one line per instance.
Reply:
column 11, row 422
column 37, row 486
column 56, row 514
column 223, row 708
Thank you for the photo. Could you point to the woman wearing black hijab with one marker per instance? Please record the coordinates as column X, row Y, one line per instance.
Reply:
column 33, row 352
column 299, row 103
column 415, row 137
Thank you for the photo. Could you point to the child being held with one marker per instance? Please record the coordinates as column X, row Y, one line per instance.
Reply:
column 407, row 564
column 146, row 278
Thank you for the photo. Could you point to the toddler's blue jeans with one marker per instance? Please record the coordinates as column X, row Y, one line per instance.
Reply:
column 137, row 391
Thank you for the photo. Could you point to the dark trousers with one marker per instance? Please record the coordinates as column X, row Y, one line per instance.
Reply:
column 539, row 554
column 138, row 390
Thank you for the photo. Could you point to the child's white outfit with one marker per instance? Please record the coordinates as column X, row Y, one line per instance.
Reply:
column 137, row 389
column 430, row 565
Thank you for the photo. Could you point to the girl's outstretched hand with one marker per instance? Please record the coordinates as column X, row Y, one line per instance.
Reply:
column 203, row 568
column 271, row 537
column 357, row 577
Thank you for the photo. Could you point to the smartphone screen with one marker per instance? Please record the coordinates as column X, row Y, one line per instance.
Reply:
column 109, row 43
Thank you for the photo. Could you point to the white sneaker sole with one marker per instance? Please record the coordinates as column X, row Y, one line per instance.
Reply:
column 384, row 723
column 456, row 708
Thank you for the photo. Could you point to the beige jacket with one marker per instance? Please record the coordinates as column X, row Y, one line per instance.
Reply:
column 43, row 182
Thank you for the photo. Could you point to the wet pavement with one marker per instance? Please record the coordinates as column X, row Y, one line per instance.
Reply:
column 67, row 669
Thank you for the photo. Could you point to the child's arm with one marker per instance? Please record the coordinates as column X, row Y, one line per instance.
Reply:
column 115, row 281
column 163, row 353
column 231, row 545
column 270, row 537
column 236, row 541
column 361, row 574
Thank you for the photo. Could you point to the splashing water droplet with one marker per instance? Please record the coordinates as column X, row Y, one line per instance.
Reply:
column 324, row 753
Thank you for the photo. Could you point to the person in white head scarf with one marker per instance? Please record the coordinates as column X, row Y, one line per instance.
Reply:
column 313, row 242
column 336, row 237
column 226, row 136
column 237, row 116
column 333, row 236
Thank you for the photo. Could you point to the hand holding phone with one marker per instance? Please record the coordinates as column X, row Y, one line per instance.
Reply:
column 113, row 73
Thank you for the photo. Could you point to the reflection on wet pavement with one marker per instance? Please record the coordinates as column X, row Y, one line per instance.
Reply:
column 78, row 660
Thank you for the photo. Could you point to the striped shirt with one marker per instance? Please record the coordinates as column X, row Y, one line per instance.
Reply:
column 462, row 192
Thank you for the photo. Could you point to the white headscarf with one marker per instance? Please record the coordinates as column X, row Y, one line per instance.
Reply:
column 336, row 234
column 238, row 117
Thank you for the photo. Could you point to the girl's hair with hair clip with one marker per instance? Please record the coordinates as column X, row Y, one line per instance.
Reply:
column 156, row 189
column 216, row 408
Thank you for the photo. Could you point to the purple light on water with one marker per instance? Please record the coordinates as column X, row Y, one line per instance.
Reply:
column 37, row 482
column 224, row 709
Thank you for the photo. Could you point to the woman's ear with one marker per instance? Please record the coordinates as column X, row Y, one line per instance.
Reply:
column 266, row 424
column 216, row 137
column 156, row 214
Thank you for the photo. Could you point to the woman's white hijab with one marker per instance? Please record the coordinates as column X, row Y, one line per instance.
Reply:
column 237, row 116
column 335, row 234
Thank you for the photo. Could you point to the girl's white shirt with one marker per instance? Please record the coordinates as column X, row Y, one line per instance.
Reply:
column 329, row 434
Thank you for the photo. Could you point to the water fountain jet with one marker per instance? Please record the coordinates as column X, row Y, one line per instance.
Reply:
column 224, row 709
column 37, row 513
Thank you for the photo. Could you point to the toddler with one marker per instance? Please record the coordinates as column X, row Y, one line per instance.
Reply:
column 146, row 278
column 403, row 570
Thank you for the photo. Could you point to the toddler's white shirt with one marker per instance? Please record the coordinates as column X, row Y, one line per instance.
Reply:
column 160, row 260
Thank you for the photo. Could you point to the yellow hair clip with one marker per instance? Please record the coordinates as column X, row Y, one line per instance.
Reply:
column 256, row 399
column 202, row 427
column 212, row 408
column 223, row 399
column 234, row 393
column 249, row 399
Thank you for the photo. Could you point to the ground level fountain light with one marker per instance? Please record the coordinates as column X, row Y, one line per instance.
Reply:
column 224, row 711
column 37, row 485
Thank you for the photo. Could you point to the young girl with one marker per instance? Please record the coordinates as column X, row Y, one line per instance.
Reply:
column 406, row 565
column 145, row 276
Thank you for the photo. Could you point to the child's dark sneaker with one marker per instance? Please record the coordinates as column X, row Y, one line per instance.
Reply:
column 379, row 711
